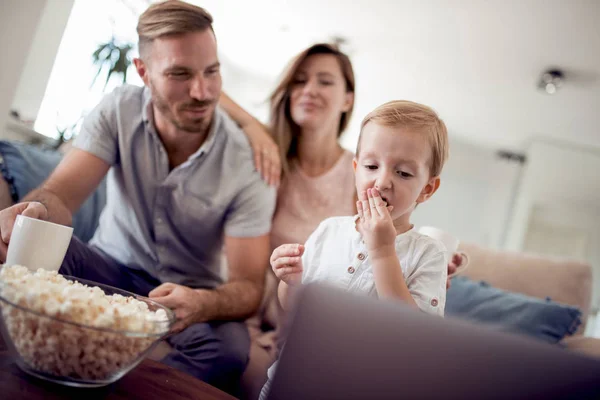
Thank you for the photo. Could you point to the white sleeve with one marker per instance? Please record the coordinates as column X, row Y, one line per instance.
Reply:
column 312, row 250
column 427, row 282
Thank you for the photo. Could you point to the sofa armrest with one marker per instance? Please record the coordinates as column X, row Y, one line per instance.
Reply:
column 587, row 345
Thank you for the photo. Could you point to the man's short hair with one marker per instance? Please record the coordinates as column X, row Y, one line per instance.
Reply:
column 171, row 17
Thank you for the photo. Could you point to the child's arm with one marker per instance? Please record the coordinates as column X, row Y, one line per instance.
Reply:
column 286, row 262
column 378, row 231
column 426, row 285
column 286, row 294
column 389, row 280
column 294, row 264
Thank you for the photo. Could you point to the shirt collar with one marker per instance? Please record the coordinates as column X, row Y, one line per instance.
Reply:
column 147, row 113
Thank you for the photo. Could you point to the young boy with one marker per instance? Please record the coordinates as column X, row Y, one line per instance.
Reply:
column 401, row 150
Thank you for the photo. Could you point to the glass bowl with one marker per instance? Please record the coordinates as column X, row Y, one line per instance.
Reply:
column 75, row 354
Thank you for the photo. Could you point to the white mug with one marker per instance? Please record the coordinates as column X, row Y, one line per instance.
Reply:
column 38, row 244
column 450, row 242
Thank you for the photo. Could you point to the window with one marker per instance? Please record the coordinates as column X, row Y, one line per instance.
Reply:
column 70, row 94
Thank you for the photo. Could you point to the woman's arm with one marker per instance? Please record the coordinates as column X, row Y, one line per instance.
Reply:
column 266, row 152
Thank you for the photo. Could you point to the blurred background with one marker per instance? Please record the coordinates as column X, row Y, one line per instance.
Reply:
column 517, row 83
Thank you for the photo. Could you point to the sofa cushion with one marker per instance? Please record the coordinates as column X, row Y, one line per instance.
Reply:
column 564, row 280
column 545, row 320
column 26, row 166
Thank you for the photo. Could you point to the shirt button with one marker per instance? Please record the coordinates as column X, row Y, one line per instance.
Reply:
column 351, row 270
column 159, row 220
column 434, row 302
column 360, row 256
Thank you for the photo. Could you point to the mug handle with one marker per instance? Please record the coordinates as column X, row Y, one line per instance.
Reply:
column 463, row 265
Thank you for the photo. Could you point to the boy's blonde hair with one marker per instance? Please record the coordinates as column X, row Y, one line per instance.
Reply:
column 407, row 114
column 171, row 17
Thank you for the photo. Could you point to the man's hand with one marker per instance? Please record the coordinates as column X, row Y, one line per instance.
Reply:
column 286, row 262
column 453, row 265
column 32, row 209
column 266, row 152
column 375, row 223
column 184, row 301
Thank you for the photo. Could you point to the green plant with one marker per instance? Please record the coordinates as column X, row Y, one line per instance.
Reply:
column 114, row 57
column 67, row 133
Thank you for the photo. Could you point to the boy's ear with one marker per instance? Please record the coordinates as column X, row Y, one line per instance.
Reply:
column 354, row 163
column 430, row 188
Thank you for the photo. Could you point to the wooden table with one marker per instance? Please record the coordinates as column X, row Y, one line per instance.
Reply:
column 149, row 380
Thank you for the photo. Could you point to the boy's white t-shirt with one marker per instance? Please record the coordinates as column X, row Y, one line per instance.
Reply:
column 335, row 254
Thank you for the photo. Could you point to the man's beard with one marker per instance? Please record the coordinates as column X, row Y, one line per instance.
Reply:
column 191, row 125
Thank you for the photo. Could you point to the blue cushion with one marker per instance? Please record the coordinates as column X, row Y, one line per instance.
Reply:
column 25, row 167
column 511, row 312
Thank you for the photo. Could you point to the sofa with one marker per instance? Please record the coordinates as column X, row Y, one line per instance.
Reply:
column 564, row 281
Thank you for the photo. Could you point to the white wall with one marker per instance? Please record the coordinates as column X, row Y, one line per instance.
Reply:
column 251, row 91
column 18, row 23
column 560, row 187
column 475, row 196
column 555, row 174
column 36, row 72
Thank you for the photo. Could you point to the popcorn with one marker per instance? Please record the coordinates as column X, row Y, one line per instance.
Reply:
column 68, row 350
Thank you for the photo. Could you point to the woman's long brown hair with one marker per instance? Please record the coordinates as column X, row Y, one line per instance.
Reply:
column 283, row 128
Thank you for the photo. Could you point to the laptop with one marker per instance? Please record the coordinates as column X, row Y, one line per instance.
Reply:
column 345, row 346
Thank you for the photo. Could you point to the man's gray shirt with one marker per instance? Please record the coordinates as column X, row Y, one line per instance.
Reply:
column 171, row 223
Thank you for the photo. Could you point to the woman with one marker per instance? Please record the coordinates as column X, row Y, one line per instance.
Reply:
column 310, row 108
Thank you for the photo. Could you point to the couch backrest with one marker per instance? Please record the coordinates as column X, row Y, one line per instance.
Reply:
column 564, row 281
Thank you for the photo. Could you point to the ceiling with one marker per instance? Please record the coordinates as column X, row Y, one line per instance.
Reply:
column 476, row 62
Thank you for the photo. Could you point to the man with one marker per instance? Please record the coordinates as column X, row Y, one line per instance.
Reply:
column 181, row 186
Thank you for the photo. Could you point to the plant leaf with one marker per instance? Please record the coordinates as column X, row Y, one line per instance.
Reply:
column 114, row 58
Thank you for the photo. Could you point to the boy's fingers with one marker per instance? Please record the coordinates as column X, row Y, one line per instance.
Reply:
column 359, row 209
column 287, row 250
column 366, row 209
column 366, row 206
column 362, row 196
column 286, row 262
column 372, row 204
column 378, row 202
column 290, row 270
